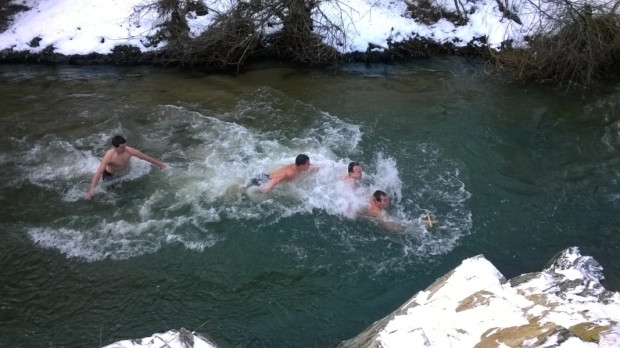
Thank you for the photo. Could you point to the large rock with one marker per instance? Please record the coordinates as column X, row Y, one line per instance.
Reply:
column 170, row 339
column 474, row 306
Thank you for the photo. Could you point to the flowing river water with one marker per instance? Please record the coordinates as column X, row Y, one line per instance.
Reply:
column 514, row 172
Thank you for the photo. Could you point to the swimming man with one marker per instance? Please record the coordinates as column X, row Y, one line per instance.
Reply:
column 115, row 161
column 285, row 173
column 354, row 172
column 346, row 193
column 378, row 202
column 376, row 209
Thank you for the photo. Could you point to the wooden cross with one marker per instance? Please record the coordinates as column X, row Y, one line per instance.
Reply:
column 428, row 220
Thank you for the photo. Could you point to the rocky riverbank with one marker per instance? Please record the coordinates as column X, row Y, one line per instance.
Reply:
column 473, row 305
column 564, row 305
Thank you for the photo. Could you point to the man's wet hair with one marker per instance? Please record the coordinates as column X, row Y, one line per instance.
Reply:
column 301, row 159
column 352, row 166
column 378, row 194
column 117, row 140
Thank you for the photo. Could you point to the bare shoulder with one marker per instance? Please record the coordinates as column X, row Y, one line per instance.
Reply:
column 291, row 169
column 108, row 154
column 132, row 151
column 375, row 213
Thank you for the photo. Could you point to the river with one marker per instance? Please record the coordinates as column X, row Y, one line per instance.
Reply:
column 515, row 172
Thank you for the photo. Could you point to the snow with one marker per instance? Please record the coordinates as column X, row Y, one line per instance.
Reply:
column 432, row 317
column 474, row 303
column 75, row 27
column 84, row 26
column 437, row 322
column 172, row 339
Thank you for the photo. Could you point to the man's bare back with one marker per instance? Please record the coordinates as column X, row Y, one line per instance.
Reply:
column 287, row 172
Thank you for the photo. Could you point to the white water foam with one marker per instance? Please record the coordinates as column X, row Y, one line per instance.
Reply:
column 122, row 239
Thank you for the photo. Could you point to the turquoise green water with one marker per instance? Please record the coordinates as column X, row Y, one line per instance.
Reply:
column 516, row 173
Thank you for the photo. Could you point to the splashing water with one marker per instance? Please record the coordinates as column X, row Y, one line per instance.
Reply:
column 211, row 157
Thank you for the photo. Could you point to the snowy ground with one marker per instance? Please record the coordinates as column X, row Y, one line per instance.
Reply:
column 85, row 26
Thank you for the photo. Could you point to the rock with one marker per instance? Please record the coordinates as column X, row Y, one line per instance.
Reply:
column 473, row 306
column 171, row 339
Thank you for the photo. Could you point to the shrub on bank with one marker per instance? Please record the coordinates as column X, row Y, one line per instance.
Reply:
column 582, row 45
column 572, row 44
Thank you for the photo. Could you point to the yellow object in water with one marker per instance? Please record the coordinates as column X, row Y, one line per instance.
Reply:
column 428, row 220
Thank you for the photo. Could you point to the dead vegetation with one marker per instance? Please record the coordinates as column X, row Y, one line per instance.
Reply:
column 427, row 12
column 243, row 32
column 574, row 43
column 575, row 46
column 7, row 10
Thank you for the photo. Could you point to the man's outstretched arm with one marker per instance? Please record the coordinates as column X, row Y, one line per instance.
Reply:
column 147, row 158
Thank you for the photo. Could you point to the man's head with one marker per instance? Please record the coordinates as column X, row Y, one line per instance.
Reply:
column 381, row 199
column 119, row 143
column 117, row 140
column 302, row 161
column 355, row 170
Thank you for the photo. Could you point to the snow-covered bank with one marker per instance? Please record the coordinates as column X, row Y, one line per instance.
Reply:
column 171, row 339
column 565, row 305
column 82, row 27
column 568, row 43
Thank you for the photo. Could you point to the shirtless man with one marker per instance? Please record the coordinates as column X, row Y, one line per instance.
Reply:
column 285, row 173
column 378, row 202
column 347, row 197
column 354, row 172
column 115, row 161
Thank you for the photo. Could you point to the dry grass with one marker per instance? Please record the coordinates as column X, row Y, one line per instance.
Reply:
column 581, row 48
column 235, row 36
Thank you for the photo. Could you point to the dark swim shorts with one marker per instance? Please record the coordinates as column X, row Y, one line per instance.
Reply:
column 259, row 180
column 105, row 176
